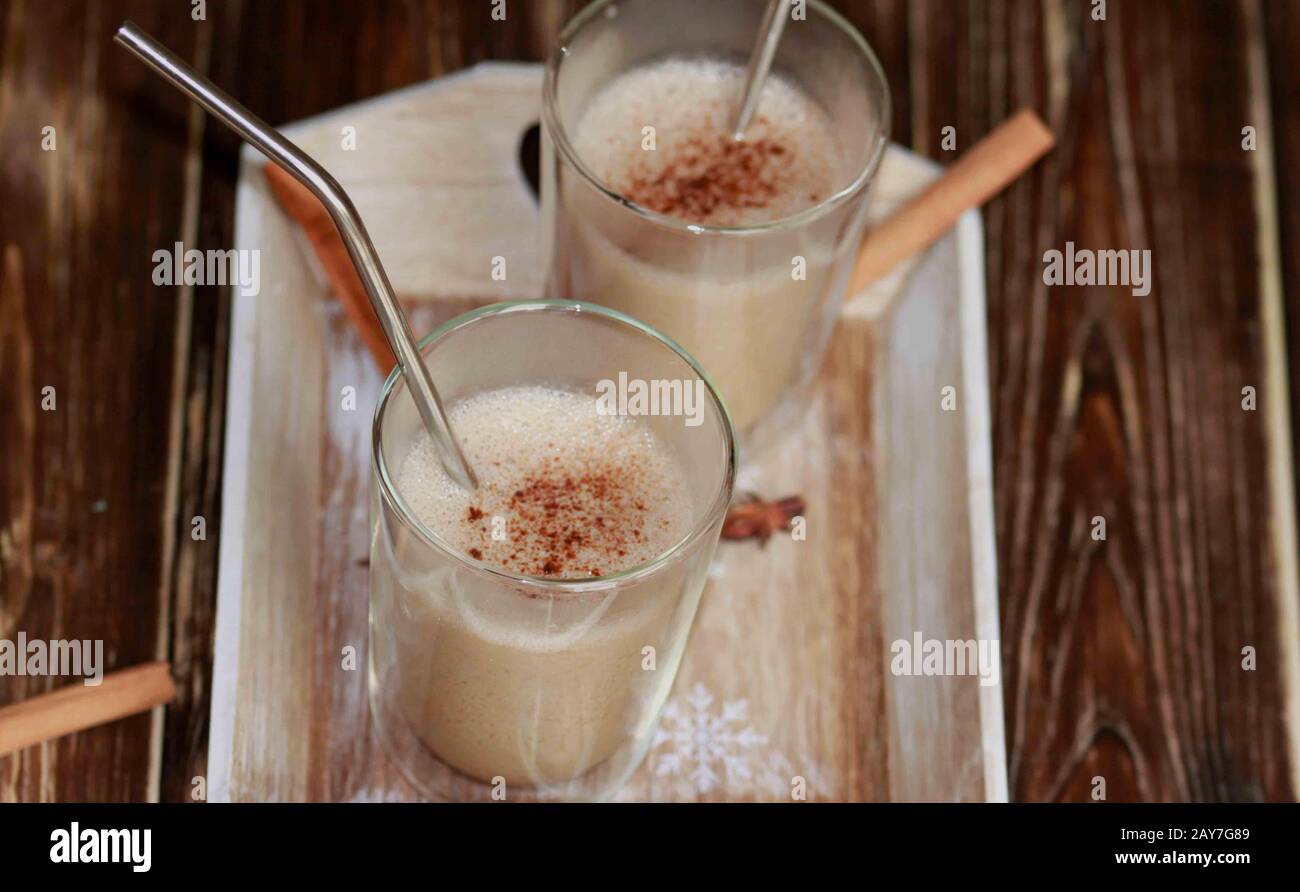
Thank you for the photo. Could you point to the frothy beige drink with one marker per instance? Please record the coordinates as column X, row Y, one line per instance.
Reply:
column 501, row 683
column 757, row 314
column 565, row 491
column 690, row 166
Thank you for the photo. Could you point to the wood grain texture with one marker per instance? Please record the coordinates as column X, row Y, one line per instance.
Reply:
column 83, row 487
column 1123, row 657
column 1099, row 399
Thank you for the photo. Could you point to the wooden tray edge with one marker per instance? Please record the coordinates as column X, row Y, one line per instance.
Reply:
column 234, row 489
column 979, row 470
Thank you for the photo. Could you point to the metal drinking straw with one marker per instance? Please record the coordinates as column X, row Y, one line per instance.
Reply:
column 284, row 153
column 760, row 62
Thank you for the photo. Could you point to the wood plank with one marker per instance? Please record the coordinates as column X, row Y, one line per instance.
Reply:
column 1123, row 657
column 194, row 467
column 82, row 487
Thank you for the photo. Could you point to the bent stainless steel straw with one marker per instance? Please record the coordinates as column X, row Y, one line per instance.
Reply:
column 760, row 62
column 305, row 169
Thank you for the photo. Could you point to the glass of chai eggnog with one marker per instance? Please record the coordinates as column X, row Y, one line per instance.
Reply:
column 524, row 637
column 739, row 250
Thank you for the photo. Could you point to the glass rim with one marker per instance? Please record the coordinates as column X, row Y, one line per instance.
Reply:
column 392, row 497
column 560, row 137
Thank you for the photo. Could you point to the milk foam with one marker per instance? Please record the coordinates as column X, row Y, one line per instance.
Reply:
column 790, row 148
column 581, row 494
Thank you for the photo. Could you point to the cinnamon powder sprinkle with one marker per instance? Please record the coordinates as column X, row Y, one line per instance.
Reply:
column 710, row 173
column 564, row 522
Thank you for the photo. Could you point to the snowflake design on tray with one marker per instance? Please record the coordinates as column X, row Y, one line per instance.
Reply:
column 718, row 748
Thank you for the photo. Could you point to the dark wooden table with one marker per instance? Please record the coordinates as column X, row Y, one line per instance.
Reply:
column 1122, row 658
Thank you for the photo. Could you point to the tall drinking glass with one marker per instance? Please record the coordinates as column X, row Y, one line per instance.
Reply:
column 490, row 684
column 755, row 304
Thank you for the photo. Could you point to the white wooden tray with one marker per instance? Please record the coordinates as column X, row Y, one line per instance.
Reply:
column 788, row 669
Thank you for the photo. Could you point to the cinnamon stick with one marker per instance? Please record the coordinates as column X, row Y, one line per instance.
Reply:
column 986, row 169
column 79, row 706
column 303, row 206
